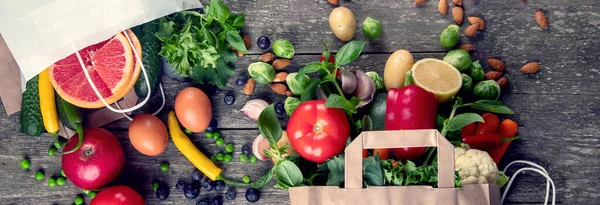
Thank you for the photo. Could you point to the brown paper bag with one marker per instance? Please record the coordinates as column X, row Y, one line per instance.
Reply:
column 354, row 193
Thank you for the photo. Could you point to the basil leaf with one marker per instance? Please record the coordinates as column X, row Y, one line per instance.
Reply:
column 459, row 121
column 262, row 181
column 335, row 167
column 372, row 173
column 355, row 101
column 337, row 101
column 269, row 126
column 239, row 21
column 269, row 153
column 349, row 52
column 288, row 174
column 492, row 106
column 310, row 91
column 309, row 68
column 236, row 41
column 219, row 10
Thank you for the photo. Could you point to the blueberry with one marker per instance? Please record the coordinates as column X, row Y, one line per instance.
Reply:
column 230, row 195
column 252, row 195
column 207, row 185
column 279, row 108
column 218, row 200
column 229, row 99
column 162, row 192
column 191, row 190
column 212, row 126
column 180, row 185
column 263, row 42
column 241, row 81
column 203, row 202
column 247, row 150
column 219, row 185
column 197, row 176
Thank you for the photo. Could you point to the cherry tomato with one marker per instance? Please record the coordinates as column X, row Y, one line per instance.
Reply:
column 317, row 132
column 331, row 58
column 118, row 195
column 383, row 153
column 489, row 125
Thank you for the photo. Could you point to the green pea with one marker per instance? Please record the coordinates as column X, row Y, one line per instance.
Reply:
column 78, row 200
column 208, row 134
column 220, row 157
column 52, row 151
column 253, row 159
column 229, row 148
column 25, row 163
column 62, row 173
column 449, row 37
column 39, row 175
column 51, row 182
column 243, row 158
column 164, row 167
column 213, row 158
column 189, row 132
column 216, row 134
column 155, row 186
column 219, row 141
column 93, row 194
column 61, row 181
column 87, row 192
column 227, row 158
column 246, row 179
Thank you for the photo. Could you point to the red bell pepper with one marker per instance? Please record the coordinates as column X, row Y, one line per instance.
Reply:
column 410, row 108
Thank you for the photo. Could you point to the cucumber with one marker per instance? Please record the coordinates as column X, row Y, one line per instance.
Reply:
column 150, row 48
column 32, row 123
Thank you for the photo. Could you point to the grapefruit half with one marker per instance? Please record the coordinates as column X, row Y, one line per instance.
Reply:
column 112, row 68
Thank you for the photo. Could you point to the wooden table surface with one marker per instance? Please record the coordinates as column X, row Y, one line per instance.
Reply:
column 557, row 109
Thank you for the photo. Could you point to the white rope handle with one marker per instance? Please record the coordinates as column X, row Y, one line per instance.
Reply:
column 139, row 61
column 162, row 93
column 540, row 170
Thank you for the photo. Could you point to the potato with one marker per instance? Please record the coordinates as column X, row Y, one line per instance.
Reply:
column 396, row 67
column 342, row 23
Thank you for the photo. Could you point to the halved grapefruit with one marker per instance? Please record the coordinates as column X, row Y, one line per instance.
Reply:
column 111, row 65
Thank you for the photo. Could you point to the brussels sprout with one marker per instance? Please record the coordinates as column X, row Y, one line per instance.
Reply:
column 449, row 37
column 372, row 28
column 458, row 58
column 297, row 84
column 261, row 72
column 291, row 103
column 488, row 89
column 283, row 48
column 476, row 71
column 376, row 79
column 467, row 83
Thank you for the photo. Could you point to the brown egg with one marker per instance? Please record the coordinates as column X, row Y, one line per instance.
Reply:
column 148, row 134
column 193, row 109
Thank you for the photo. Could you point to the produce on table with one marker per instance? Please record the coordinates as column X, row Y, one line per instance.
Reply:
column 150, row 59
column 254, row 107
column 486, row 141
column 193, row 109
column 458, row 58
column 396, row 67
column 261, row 144
column 199, row 45
column 318, row 132
column 342, row 23
column 297, row 82
column 449, row 37
column 349, row 81
column 476, row 167
column 114, row 69
column 279, row 108
column 263, row 42
column 489, row 125
column 32, row 123
column 162, row 192
column 291, row 103
column 229, row 99
column 99, row 160
column 283, row 48
column 47, row 104
column 262, row 73
column 191, row 190
column 230, row 195
column 372, row 28
column 488, row 89
column 377, row 80
column 61, row 181
column 117, row 195
column 365, row 88
column 51, row 182
column 252, row 195
column 148, row 135
column 467, row 83
column 377, row 112
column 70, row 116
column 39, row 175
column 507, row 129
column 164, row 167
column 476, row 71
column 25, row 163
column 438, row 77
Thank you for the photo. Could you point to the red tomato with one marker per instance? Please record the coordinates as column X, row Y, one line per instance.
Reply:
column 331, row 58
column 317, row 132
column 489, row 125
column 118, row 195
column 99, row 160
column 383, row 153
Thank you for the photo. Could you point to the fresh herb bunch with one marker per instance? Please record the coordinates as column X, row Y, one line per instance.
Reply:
column 199, row 45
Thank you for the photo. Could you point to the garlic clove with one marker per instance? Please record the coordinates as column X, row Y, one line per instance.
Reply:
column 365, row 88
column 253, row 108
column 348, row 81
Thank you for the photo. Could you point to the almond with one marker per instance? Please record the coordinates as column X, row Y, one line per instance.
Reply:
column 289, row 93
column 239, row 53
column 278, row 88
column 467, row 47
column 458, row 14
column 333, row 2
column 493, row 75
column 540, row 17
column 523, row 1
column 420, row 2
column 502, row 82
column 475, row 19
column 267, row 57
column 246, row 38
column 531, row 67
column 281, row 63
column 443, row 7
column 496, row 64
column 458, row 2
column 471, row 30
column 249, row 87
column 280, row 77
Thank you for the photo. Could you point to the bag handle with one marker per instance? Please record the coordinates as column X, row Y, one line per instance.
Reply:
column 399, row 139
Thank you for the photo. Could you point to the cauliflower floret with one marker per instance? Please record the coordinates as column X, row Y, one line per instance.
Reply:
column 475, row 166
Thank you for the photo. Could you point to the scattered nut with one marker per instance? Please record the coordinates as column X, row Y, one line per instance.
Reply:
column 541, row 19
column 502, row 82
column 475, row 19
column 278, row 88
column 420, row 2
column 333, row 2
column 289, row 93
column 493, row 75
column 280, row 77
column 531, row 67
column 281, row 63
column 458, row 2
column 246, row 38
column 471, row 30
column 239, row 53
column 467, row 47
column 496, row 64
column 458, row 14
column 249, row 87
column 267, row 57
column 443, row 7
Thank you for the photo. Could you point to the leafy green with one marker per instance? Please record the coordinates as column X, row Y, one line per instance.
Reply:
column 372, row 174
column 262, row 181
column 335, row 166
column 337, row 101
column 502, row 179
column 349, row 52
column 310, row 91
column 269, row 126
column 491, row 106
column 459, row 121
column 288, row 174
